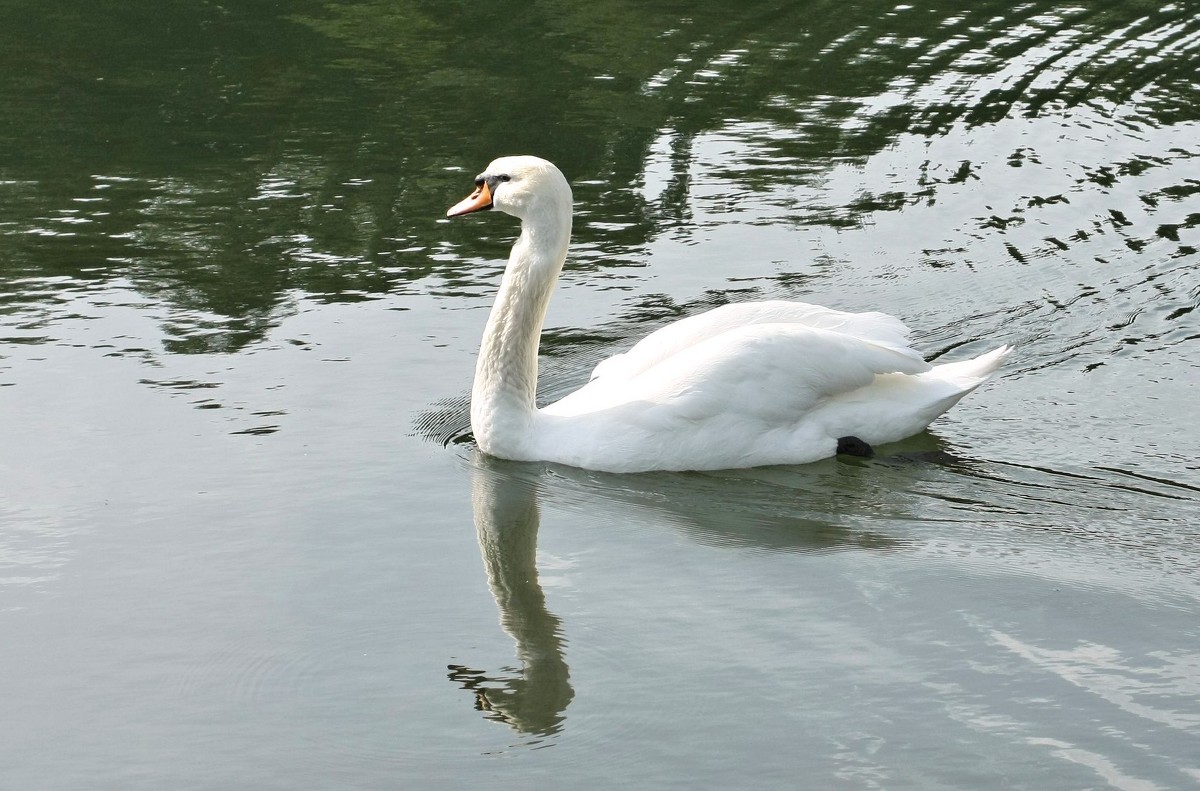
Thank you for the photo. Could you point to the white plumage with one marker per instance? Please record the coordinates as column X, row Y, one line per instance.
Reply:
column 742, row 385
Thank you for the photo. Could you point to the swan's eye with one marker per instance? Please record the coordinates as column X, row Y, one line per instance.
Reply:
column 492, row 182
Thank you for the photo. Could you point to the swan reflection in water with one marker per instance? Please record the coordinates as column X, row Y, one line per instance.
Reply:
column 531, row 699
column 760, row 509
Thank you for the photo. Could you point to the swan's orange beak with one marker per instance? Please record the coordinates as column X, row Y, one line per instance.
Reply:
column 478, row 200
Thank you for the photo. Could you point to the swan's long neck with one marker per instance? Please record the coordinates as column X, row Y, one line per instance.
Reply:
column 502, row 400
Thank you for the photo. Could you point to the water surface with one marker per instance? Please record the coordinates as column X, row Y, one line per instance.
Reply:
column 245, row 540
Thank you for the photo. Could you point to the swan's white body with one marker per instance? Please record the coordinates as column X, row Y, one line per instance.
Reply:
column 742, row 385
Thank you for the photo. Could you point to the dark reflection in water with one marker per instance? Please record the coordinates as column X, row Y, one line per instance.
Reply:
column 531, row 698
column 784, row 509
column 251, row 156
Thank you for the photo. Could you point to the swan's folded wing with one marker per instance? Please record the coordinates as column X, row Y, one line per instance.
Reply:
column 666, row 342
column 773, row 373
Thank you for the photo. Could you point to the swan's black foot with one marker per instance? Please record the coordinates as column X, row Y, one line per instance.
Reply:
column 853, row 446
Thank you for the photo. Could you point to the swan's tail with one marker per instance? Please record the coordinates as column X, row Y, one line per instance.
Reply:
column 899, row 405
column 945, row 385
column 966, row 375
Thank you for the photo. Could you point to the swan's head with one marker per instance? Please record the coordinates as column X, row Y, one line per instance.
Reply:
column 519, row 186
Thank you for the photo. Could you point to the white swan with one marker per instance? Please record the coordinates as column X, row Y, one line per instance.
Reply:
column 742, row 385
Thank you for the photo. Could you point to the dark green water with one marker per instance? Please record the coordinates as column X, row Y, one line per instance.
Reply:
column 244, row 542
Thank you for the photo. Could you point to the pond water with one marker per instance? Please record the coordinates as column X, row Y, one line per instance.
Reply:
column 246, row 542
